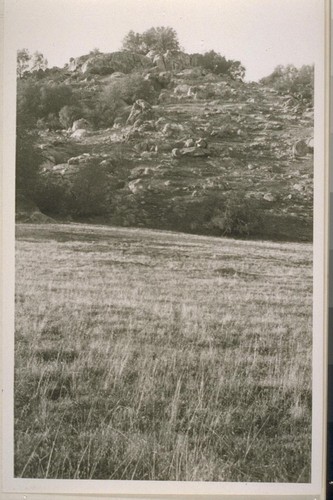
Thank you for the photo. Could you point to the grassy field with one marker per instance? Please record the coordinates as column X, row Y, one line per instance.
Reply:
column 161, row 356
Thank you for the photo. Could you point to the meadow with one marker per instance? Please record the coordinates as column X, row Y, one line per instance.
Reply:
column 152, row 355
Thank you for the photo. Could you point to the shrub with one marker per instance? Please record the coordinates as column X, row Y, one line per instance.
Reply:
column 113, row 99
column 52, row 196
column 53, row 97
column 90, row 191
column 36, row 99
column 238, row 217
column 130, row 88
column 216, row 63
column 28, row 159
column 84, row 194
column 104, row 108
column 28, row 101
column 51, row 122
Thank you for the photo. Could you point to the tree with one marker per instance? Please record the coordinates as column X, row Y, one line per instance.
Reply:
column 133, row 42
column 38, row 62
column 27, row 63
column 237, row 70
column 159, row 39
column 298, row 83
column 23, row 59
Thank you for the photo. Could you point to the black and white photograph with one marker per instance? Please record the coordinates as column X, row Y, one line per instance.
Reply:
column 165, row 191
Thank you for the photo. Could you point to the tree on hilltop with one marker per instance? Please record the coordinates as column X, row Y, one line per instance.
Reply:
column 215, row 63
column 160, row 39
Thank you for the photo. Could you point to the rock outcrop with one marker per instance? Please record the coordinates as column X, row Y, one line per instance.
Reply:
column 106, row 64
column 140, row 110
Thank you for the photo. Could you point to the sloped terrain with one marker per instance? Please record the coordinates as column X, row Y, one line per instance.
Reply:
column 207, row 140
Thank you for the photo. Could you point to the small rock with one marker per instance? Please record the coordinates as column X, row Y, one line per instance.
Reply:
column 176, row 153
column 189, row 143
column 82, row 123
column 79, row 133
column 269, row 197
column 201, row 143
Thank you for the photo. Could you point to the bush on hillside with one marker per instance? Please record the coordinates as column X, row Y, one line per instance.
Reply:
column 216, row 63
column 113, row 99
column 27, row 102
column 50, row 122
column 53, row 97
column 130, row 88
column 238, row 216
column 68, row 114
column 85, row 194
column 28, row 159
column 90, row 191
column 52, row 196
column 37, row 99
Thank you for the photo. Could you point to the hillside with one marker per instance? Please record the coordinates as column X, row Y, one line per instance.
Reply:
column 210, row 154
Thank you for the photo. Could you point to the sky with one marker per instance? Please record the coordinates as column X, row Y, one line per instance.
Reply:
column 259, row 33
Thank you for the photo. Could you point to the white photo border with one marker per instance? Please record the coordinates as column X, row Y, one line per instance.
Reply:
column 14, row 488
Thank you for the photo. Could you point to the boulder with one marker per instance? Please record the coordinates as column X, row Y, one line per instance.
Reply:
column 192, row 152
column 40, row 218
column 195, row 152
column 171, row 129
column 189, row 143
column 201, row 143
column 269, row 197
column 79, row 133
column 159, row 62
column 176, row 61
column 122, row 61
column 176, row 153
column 82, row 123
column 117, row 75
column 182, row 89
column 135, row 186
column 140, row 109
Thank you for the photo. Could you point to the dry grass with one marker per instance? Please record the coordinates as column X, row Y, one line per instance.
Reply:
column 161, row 356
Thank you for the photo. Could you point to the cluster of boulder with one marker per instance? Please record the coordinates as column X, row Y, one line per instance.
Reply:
column 127, row 61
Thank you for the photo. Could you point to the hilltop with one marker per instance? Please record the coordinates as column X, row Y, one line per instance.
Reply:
column 163, row 142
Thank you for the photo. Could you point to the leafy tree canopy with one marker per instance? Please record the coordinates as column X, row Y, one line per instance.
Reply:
column 297, row 82
column 27, row 63
column 219, row 65
column 159, row 39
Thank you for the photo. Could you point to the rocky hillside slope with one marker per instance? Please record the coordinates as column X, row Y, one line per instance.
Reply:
column 212, row 152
